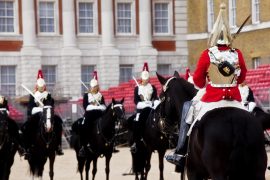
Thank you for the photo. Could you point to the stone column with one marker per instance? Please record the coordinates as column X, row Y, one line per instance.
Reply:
column 30, row 54
column 70, row 63
column 108, row 65
column 146, row 52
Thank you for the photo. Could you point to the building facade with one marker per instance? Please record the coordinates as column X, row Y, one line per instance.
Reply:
column 254, row 39
column 69, row 39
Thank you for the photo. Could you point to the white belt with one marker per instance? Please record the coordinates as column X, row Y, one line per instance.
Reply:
column 223, row 85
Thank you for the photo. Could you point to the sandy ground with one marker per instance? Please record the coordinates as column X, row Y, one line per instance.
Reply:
column 66, row 168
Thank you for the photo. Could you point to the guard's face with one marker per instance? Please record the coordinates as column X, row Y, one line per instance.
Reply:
column 95, row 89
column 41, row 88
column 145, row 81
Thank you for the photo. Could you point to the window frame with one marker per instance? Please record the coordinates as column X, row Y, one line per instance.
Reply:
column 53, row 85
column 87, row 83
column 210, row 15
column 125, row 66
column 170, row 17
column 255, row 17
column 160, row 71
column 8, row 83
column 95, row 17
column 133, row 18
column 56, row 18
column 256, row 62
column 15, row 18
column 232, row 13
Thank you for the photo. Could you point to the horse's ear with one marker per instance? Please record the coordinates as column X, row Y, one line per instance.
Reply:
column 161, row 79
column 176, row 74
column 122, row 100
column 113, row 100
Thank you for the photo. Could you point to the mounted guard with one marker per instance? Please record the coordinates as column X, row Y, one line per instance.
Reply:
column 220, row 70
column 145, row 96
column 34, row 111
column 11, row 126
column 94, row 106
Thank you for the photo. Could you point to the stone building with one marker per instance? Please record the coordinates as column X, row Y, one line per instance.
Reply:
column 254, row 39
column 68, row 39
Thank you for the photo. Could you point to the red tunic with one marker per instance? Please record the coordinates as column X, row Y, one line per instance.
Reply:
column 214, row 94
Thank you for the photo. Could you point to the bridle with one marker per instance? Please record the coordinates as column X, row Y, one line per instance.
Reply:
column 47, row 125
column 110, row 141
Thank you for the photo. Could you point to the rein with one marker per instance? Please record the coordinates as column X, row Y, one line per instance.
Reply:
column 99, row 131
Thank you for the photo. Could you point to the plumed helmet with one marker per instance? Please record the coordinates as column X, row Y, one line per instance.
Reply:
column 94, row 81
column 221, row 31
column 145, row 72
column 40, row 79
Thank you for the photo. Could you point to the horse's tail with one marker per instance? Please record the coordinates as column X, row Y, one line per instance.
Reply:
column 248, row 150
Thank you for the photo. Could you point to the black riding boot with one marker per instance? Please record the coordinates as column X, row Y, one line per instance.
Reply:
column 178, row 158
column 136, row 135
column 59, row 150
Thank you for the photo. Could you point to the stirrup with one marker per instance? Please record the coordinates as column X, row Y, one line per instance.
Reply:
column 133, row 148
column 175, row 159
column 59, row 151
column 82, row 152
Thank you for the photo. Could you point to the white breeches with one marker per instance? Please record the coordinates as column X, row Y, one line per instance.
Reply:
column 145, row 104
column 91, row 107
column 36, row 110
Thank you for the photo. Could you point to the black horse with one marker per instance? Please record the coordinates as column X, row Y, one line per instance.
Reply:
column 154, row 138
column 227, row 143
column 8, row 144
column 102, row 134
column 46, row 128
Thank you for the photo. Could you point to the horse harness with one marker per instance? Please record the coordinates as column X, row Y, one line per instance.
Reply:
column 108, row 141
column 42, row 134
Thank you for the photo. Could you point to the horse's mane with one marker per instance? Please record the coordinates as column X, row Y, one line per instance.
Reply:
column 187, row 87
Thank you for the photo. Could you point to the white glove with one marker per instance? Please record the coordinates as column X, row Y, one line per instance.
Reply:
column 251, row 106
column 36, row 110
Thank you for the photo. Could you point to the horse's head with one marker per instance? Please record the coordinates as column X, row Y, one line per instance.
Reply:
column 118, row 109
column 175, row 91
column 47, row 118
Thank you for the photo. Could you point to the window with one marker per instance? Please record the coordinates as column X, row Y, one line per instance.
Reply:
column 124, row 21
column 255, row 11
column 86, row 17
column 210, row 14
column 164, row 69
column 49, row 73
column 7, row 16
column 256, row 62
column 232, row 13
column 86, row 76
column 125, row 73
column 161, row 18
column 8, row 80
column 46, row 17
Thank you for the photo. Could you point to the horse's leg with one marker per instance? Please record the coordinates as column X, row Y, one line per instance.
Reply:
column 107, row 168
column 87, row 167
column 148, row 163
column 161, row 154
column 94, row 171
column 136, row 176
column 52, row 159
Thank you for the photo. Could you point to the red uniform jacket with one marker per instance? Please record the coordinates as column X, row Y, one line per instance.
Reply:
column 214, row 94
